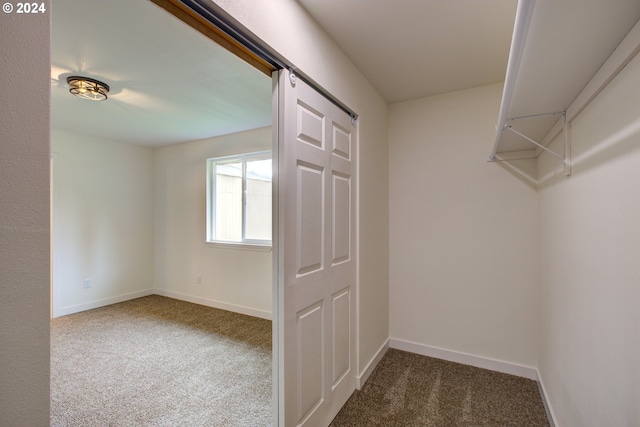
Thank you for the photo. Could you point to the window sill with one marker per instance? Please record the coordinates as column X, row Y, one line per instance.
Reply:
column 240, row 246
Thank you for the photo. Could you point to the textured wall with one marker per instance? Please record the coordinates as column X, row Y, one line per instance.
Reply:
column 24, row 219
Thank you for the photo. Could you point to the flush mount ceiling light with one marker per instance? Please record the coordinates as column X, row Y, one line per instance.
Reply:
column 86, row 88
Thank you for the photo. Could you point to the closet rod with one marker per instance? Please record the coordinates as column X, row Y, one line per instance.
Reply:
column 555, row 113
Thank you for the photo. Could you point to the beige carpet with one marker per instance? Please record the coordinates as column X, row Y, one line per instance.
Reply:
column 407, row 390
column 156, row 361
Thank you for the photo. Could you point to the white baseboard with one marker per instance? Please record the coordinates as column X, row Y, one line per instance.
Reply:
column 101, row 303
column 215, row 304
column 176, row 295
column 545, row 401
column 465, row 358
column 364, row 376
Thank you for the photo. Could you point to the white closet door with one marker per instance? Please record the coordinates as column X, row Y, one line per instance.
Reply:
column 317, row 258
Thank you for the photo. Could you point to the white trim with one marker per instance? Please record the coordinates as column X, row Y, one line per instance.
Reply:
column 212, row 164
column 101, row 303
column 277, row 356
column 239, row 246
column 364, row 376
column 215, row 304
column 465, row 358
column 176, row 295
column 545, row 401
column 356, row 316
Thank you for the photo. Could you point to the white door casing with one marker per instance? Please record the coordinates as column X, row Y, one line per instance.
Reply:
column 316, row 255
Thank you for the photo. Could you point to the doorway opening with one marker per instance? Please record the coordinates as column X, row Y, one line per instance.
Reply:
column 129, row 184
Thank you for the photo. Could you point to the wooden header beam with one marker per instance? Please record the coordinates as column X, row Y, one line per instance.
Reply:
column 202, row 25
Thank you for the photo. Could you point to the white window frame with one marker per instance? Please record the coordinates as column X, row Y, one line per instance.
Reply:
column 251, row 244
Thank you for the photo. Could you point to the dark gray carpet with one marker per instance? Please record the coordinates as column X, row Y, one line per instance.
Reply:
column 407, row 389
column 157, row 361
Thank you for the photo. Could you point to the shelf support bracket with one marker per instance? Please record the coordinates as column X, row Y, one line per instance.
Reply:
column 537, row 144
column 566, row 158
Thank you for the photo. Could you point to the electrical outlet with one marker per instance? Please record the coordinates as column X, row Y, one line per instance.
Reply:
column 199, row 280
column 87, row 283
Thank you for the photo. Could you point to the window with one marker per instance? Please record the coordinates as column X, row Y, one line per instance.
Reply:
column 239, row 199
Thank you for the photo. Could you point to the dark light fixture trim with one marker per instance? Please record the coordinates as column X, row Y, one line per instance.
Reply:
column 87, row 88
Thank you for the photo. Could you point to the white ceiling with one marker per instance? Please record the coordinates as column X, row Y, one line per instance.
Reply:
column 415, row 48
column 169, row 83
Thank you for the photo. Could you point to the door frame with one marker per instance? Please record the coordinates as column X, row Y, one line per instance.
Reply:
column 277, row 235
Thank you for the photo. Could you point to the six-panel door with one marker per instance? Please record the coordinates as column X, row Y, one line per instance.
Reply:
column 317, row 185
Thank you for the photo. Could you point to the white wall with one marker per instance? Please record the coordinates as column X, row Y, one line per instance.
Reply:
column 24, row 219
column 590, row 264
column 132, row 220
column 102, row 221
column 463, row 260
column 285, row 26
column 238, row 280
